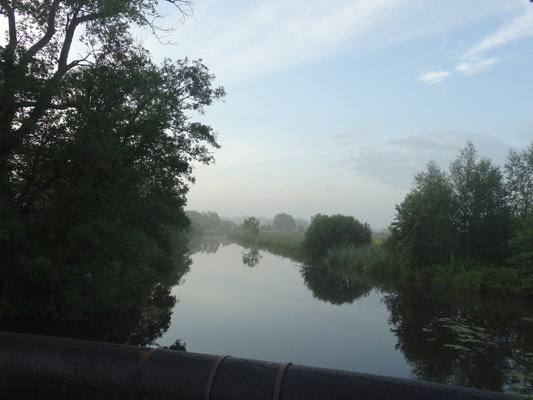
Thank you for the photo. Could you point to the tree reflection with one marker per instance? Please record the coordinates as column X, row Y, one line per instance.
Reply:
column 251, row 258
column 141, row 323
column 459, row 339
column 333, row 287
column 207, row 244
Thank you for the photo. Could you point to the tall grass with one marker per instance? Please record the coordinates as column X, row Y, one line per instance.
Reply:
column 369, row 259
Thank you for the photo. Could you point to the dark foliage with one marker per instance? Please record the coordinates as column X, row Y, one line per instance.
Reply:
column 95, row 158
column 470, row 216
column 284, row 222
column 327, row 232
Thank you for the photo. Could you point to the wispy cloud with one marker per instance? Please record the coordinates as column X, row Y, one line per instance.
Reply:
column 471, row 68
column 240, row 40
column 279, row 34
column 475, row 60
column 518, row 28
column 434, row 77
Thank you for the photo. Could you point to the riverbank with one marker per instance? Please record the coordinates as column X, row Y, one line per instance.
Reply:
column 377, row 260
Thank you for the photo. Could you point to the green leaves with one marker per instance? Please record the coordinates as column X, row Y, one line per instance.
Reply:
column 284, row 222
column 423, row 231
column 250, row 226
column 96, row 156
column 327, row 232
column 466, row 214
column 466, row 337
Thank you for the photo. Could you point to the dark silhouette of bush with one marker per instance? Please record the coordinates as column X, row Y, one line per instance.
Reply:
column 284, row 222
column 327, row 232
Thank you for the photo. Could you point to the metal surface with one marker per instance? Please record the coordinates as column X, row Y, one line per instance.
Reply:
column 40, row 367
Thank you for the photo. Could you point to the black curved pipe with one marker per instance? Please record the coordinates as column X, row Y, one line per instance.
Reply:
column 40, row 367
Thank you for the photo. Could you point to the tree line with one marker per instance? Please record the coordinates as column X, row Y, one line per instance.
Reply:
column 475, row 213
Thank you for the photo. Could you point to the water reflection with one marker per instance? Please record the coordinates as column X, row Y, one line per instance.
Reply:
column 445, row 336
column 464, row 339
column 208, row 244
column 251, row 257
column 332, row 286
column 140, row 325
column 143, row 319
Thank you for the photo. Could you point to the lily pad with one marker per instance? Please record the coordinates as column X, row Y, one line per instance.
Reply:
column 457, row 347
column 469, row 340
column 445, row 319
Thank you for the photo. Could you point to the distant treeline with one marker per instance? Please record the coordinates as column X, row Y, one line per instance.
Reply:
column 210, row 222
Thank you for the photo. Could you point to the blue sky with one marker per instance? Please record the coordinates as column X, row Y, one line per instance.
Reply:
column 333, row 106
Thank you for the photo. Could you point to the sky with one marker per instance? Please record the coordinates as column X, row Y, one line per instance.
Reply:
column 333, row 106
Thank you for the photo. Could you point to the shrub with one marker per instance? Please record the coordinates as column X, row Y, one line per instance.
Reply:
column 326, row 233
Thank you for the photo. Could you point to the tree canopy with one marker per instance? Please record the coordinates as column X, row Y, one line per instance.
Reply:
column 424, row 228
column 327, row 232
column 96, row 155
column 250, row 226
column 467, row 213
column 284, row 222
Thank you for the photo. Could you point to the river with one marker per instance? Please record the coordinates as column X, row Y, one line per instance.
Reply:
column 254, row 304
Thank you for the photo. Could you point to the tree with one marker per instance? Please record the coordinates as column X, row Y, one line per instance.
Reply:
column 522, row 242
column 423, row 231
column 284, row 222
column 251, row 226
column 327, row 232
column 519, row 180
column 482, row 217
column 203, row 221
column 36, row 58
column 95, row 156
column 519, row 183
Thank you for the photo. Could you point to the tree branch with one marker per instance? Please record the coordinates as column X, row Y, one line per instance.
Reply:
column 10, row 13
column 50, row 31
column 62, row 66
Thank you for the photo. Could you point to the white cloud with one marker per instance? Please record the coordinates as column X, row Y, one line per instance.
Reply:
column 240, row 39
column 474, row 60
column 280, row 34
column 434, row 77
column 517, row 28
column 471, row 68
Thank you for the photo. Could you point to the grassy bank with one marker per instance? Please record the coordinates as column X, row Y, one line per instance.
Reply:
column 460, row 274
column 286, row 244
column 376, row 260
column 370, row 259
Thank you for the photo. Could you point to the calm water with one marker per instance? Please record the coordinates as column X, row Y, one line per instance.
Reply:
column 253, row 304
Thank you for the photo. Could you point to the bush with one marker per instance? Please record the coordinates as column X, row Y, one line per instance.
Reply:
column 284, row 222
column 502, row 279
column 326, row 233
